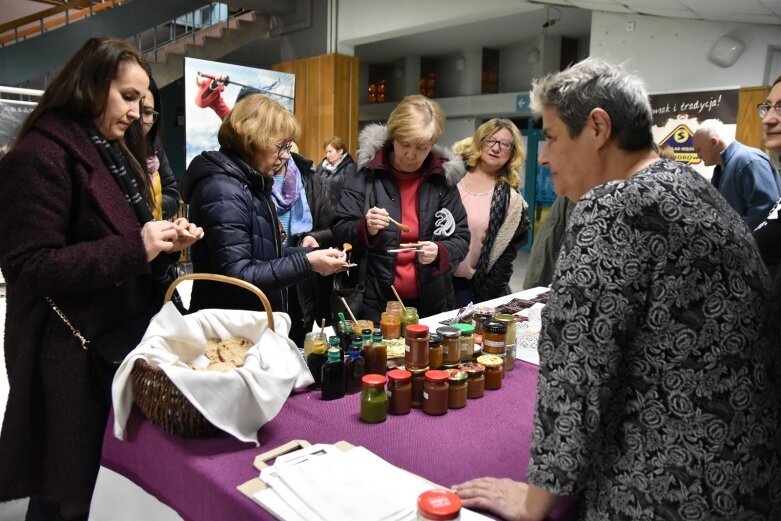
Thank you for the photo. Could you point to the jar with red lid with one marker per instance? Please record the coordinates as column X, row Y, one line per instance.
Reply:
column 435, row 351
column 451, row 346
column 494, row 370
column 494, row 337
column 399, row 391
column 476, row 381
column 418, row 377
column 439, row 505
column 457, row 388
column 435, row 392
column 416, row 347
column 374, row 401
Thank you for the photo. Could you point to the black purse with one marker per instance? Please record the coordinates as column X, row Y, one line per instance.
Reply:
column 109, row 350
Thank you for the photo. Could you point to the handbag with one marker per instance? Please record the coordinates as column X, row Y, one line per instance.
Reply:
column 108, row 350
column 351, row 287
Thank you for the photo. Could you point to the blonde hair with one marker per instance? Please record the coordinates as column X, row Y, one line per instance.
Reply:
column 511, row 173
column 459, row 147
column 255, row 124
column 416, row 118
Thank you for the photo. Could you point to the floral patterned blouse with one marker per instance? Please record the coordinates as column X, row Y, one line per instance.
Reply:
column 656, row 392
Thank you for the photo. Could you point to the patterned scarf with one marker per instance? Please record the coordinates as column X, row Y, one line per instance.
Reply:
column 500, row 201
column 285, row 197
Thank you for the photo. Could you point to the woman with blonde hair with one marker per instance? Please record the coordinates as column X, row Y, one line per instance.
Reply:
column 404, row 177
column 498, row 218
column 229, row 192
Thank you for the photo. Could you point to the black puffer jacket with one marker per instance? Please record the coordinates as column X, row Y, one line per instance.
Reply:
column 328, row 191
column 231, row 201
column 435, row 193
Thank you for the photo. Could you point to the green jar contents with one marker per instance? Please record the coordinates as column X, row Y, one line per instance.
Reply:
column 408, row 316
column 374, row 401
column 333, row 376
column 466, row 341
column 494, row 370
column 511, row 322
column 451, row 345
column 377, row 360
column 435, row 358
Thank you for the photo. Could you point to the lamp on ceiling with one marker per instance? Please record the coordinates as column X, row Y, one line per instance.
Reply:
column 725, row 51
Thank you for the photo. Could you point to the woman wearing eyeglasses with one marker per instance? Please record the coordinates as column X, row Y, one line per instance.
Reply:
column 229, row 192
column 498, row 216
column 768, row 232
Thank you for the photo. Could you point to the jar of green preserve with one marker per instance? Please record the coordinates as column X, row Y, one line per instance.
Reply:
column 374, row 401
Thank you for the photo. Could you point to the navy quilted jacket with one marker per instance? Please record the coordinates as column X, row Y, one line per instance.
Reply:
column 231, row 202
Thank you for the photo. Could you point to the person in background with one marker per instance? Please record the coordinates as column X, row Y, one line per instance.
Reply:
column 653, row 400
column 409, row 185
column 768, row 233
column 76, row 227
column 147, row 128
column 230, row 193
column 743, row 175
column 547, row 244
column 497, row 214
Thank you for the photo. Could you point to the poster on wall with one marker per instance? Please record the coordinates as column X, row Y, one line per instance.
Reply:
column 677, row 116
column 210, row 91
column 12, row 115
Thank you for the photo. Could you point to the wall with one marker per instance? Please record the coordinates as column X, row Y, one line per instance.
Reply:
column 670, row 54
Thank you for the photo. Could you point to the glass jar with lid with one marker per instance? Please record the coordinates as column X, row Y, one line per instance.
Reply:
column 390, row 324
column 400, row 391
column 512, row 326
column 457, row 388
column 476, row 379
column 480, row 314
column 494, row 370
column 466, row 341
column 374, row 401
column 494, row 337
column 416, row 347
column 439, row 505
column 451, row 345
column 418, row 377
column 435, row 358
column 394, row 307
column 435, row 392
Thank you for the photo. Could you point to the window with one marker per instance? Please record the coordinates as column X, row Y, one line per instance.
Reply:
column 490, row 75
column 428, row 77
column 378, row 82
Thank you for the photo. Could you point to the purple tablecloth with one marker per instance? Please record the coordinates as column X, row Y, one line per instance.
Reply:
column 198, row 478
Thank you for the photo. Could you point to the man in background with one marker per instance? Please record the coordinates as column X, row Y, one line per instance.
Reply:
column 743, row 175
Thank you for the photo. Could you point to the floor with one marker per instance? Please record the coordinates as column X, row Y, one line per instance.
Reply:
column 15, row 510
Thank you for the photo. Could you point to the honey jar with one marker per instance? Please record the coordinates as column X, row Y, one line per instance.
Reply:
column 466, row 341
column 509, row 353
column 451, row 345
column 435, row 358
column 494, row 337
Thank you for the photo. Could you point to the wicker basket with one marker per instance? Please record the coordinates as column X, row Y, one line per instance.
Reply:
column 160, row 400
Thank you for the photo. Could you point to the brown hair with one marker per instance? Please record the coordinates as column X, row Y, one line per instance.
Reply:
column 255, row 124
column 335, row 142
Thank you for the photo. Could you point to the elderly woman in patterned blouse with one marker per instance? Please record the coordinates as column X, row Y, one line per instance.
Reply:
column 658, row 386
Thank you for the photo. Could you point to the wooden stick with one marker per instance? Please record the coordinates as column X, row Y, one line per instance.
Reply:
column 402, row 227
column 322, row 326
column 350, row 311
column 397, row 296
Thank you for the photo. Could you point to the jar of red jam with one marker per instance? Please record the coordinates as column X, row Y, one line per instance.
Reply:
column 418, row 377
column 494, row 337
column 435, row 351
column 457, row 388
column 439, row 505
column 416, row 347
column 399, row 391
column 476, row 381
column 435, row 392
column 494, row 370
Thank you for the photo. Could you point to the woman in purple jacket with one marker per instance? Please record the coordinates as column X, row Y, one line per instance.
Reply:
column 76, row 227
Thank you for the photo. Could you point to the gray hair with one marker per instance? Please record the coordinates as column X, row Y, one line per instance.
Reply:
column 593, row 83
column 711, row 128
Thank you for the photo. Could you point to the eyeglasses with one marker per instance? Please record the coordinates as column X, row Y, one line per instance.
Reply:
column 149, row 115
column 503, row 145
column 284, row 148
column 764, row 108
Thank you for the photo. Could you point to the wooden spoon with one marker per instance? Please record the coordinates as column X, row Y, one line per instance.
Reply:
column 347, row 247
column 402, row 227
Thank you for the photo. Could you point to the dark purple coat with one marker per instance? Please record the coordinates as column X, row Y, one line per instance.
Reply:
column 66, row 231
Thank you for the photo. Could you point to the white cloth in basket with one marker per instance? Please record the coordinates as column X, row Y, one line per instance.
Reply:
column 238, row 402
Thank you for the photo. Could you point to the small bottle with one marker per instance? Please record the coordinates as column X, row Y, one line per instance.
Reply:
column 335, row 341
column 333, row 376
column 439, row 505
column 374, row 401
column 354, row 368
column 366, row 343
column 377, row 363
column 315, row 361
column 400, row 391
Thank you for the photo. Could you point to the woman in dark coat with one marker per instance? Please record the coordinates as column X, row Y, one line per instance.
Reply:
column 409, row 185
column 75, row 227
column 229, row 193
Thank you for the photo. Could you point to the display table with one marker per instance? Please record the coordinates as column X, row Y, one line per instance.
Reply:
column 197, row 478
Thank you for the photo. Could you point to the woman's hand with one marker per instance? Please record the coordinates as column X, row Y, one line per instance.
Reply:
column 170, row 237
column 503, row 497
column 327, row 262
column 376, row 220
column 187, row 234
column 309, row 242
column 429, row 253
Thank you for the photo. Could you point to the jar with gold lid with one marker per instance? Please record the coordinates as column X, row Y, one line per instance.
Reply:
column 457, row 388
column 476, row 379
column 494, row 370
